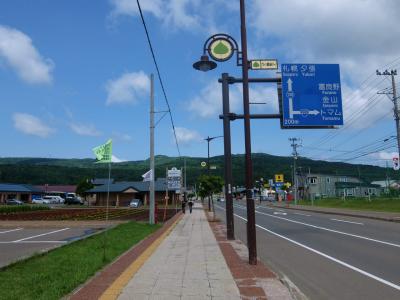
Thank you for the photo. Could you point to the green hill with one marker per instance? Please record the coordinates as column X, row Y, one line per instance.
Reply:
column 70, row 171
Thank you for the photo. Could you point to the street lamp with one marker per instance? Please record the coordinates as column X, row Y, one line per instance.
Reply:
column 209, row 139
column 221, row 47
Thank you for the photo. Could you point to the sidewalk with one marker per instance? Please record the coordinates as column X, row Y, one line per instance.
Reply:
column 188, row 264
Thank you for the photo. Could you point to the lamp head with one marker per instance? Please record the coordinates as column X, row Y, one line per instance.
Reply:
column 204, row 64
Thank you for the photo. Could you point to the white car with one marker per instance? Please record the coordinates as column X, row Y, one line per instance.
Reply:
column 54, row 199
column 40, row 201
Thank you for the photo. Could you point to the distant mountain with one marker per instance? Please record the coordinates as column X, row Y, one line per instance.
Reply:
column 71, row 171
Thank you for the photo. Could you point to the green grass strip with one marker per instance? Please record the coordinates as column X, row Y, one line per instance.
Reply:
column 21, row 208
column 376, row 204
column 59, row 272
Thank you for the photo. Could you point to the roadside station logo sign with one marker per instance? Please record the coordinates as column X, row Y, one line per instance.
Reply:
column 279, row 178
column 174, row 178
column 264, row 64
column 220, row 49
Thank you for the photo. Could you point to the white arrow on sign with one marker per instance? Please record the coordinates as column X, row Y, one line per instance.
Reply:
column 304, row 112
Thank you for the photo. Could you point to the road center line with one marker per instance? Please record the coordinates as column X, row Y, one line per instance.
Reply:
column 338, row 220
column 11, row 230
column 381, row 280
column 35, row 236
column 327, row 229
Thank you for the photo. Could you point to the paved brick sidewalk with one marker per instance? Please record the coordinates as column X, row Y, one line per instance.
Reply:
column 187, row 265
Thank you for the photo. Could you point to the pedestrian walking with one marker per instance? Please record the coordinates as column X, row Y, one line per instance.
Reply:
column 183, row 206
column 190, row 205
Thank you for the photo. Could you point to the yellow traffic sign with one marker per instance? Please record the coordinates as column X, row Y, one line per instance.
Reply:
column 278, row 177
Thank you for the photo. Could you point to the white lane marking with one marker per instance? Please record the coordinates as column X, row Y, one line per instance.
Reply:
column 330, row 230
column 35, row 236
column 11, row 230
column 279, row 213
column 338, row 220
column 32, row 242
column 300, row 214
column 381, row 280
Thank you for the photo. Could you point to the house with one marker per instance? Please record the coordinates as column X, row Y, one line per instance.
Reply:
column 121, row 193
column 311, row 186
column 23, row 192
column 388, row 184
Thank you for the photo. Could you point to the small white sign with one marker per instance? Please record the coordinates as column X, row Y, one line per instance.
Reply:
column 396, row 163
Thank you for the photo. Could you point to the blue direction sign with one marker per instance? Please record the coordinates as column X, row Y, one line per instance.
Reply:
column 311, row 95
column 279, row 184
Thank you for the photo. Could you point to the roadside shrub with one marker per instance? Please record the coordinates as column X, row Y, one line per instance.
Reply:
column 21, row 208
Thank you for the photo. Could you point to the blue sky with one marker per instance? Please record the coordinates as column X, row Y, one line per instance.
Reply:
column 75, row 73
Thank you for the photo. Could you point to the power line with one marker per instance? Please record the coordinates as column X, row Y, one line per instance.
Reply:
column 159, row 75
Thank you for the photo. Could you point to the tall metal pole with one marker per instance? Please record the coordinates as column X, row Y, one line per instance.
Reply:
column 208, row 169
column 230, row 231
column 396, row 111
column 152, row 195
column 294, row 153
column 251, row 220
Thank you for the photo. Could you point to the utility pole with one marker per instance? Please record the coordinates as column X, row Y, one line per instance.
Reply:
column 295, row 155
column 395, row 99
column 152, row 196
column 209, row 139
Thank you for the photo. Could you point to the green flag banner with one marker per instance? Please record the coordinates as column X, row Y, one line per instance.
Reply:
column 103, row 152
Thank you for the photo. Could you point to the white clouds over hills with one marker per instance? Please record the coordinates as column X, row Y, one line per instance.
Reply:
column 17, row 50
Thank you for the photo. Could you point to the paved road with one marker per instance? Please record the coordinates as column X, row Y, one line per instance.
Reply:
column 17, row 243
column 327, row 256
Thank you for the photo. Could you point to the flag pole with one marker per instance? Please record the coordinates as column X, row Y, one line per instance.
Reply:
column 108, row 197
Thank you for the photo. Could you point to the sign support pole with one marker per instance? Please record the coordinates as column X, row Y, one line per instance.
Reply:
column 230, row 232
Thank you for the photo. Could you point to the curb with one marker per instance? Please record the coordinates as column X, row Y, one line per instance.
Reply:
column 254, row 282
column 96, row 286
column 348, row 214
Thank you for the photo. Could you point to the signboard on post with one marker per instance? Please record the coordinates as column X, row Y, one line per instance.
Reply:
column 396, row 166
column 174, row 179
column 264, row 64
column 311, row 95
column 278, row 177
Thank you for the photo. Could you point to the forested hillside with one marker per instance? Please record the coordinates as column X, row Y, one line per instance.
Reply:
column 71, row 171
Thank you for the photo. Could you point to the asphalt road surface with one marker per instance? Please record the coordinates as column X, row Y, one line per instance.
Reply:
column 18, row 243
column 326, row 256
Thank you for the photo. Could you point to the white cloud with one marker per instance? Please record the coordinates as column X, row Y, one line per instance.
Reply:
column 208, row 104
column 127, row 88
column 31, row 125
column 385, row 155
column 200, row 15
column 116, row 159
column 84, row 129
column 129, row 7
column 122, row 136
column 17, row 50
column 186, row 136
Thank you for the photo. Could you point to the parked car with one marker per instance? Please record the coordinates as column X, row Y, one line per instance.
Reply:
column 54, row 199
column 73, row 200
column 40, row 201
column 221, row 199
column 14, row 202
column 135, row 203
